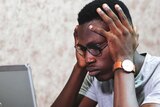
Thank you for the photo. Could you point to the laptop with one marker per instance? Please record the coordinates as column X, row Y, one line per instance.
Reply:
column 16, row 86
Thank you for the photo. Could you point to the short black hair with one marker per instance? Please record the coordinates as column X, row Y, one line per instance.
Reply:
column 88, row 12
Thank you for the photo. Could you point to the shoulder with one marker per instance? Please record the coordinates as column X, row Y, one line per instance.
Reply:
column 151, row 75
column 150, row 65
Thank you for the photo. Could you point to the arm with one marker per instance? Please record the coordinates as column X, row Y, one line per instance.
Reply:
column 124, row 89
column 151, row 105
column 122, row 43
column 69, row 96
column 70, row 92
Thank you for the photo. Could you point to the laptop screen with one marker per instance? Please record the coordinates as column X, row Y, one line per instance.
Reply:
column 16, row 86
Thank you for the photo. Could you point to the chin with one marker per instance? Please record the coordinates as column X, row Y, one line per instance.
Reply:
column 104, row 77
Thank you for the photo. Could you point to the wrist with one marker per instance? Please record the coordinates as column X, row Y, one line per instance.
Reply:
column 79, row 69
column 126, row 65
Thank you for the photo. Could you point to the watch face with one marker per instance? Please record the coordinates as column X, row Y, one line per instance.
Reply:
column 128, row 65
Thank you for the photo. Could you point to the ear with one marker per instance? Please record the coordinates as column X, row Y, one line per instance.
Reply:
column 76, row 35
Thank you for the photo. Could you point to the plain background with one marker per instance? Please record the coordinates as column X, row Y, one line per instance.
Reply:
column 40, row 32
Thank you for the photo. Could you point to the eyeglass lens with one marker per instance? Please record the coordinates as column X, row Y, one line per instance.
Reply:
column 92, row 49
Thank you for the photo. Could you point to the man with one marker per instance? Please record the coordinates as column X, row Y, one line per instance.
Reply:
column 116, row 74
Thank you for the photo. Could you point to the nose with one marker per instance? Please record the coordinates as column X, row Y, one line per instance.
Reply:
column 89, row 58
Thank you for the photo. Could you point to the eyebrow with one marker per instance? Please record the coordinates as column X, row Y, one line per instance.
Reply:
column 92, row 44
column 95, row 43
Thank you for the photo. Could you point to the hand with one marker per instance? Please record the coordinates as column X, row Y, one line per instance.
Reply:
column 121, row 37
column 80, row 60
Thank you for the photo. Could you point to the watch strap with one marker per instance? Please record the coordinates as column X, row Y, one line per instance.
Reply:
column 118, row 65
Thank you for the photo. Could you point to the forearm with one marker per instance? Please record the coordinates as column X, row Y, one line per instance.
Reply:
column 68, row 96
column 124, row 89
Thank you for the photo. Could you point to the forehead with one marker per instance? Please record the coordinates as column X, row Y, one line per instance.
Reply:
column 86, row 36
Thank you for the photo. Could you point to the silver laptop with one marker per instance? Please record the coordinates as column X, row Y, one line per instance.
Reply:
column 16, row 86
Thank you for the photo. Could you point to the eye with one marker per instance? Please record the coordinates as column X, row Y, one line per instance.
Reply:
column 95, row 47
column 98, row 45
column 80, row 47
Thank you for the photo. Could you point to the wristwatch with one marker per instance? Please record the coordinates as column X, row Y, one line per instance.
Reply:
column 127, row 65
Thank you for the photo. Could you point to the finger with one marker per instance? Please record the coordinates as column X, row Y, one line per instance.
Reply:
column 123, row 18
column 107, row 20
column 101, row 32
column 113, row 16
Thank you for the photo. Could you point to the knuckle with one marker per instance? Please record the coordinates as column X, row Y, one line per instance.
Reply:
column 109, row 11
column 115, row 18
column 102, row 31
column 133, row 32
column 99, row 30
column 119, row 33
column 123, row 18
column 109, row 21
column 114, row 38
column 125, row 33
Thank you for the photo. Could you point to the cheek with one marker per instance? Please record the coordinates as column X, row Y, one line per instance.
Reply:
column 106, row 61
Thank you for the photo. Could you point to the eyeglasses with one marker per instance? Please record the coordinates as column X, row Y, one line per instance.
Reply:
column 95, row 49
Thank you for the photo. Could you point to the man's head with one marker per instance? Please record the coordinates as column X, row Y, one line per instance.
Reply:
column 92, row 46
column 88, row 12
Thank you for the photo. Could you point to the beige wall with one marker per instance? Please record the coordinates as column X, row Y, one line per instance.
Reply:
column 39, row 32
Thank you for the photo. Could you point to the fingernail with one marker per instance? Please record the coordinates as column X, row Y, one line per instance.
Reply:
column 117, row 7
column 90, row 26
column 99, row 10
column 105, row 6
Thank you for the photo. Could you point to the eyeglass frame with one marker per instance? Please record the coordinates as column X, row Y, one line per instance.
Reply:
column 88, row 48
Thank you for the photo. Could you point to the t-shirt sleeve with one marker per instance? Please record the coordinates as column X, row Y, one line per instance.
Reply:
column 154, row 96
column 154, row 87
column 88, row 89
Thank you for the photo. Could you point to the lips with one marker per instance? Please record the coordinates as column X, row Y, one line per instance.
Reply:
column 93, row 71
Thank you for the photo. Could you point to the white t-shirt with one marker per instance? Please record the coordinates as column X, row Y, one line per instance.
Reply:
column 147, row 84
